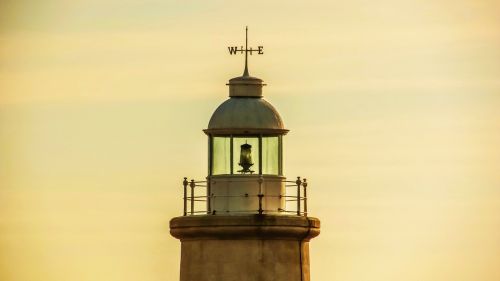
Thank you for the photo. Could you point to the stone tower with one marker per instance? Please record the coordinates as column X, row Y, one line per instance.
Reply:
column 246, row 222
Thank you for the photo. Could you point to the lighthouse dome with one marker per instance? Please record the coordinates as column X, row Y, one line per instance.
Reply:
column 246, row 113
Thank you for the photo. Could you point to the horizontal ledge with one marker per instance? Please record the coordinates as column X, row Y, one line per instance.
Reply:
column 245, row 227
column 245, row 131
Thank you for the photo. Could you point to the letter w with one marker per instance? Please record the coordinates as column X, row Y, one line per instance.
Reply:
column 232, row 50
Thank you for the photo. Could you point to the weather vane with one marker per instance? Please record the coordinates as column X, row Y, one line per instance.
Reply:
column 234, row 50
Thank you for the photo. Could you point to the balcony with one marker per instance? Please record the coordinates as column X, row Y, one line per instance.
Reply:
column 256, row 194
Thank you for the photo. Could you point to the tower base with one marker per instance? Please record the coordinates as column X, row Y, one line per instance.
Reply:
column 244, row 248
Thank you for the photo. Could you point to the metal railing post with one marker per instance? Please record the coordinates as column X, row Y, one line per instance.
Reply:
column 261, row 179
column 192, row 185
column 304, row 184
column 185, row 183
column 209, row 192
column 298, row 182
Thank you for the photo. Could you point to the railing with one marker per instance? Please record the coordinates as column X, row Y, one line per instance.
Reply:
column 300, row 197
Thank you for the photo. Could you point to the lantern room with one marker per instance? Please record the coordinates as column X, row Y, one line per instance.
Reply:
column 245, row 130
column 245, row 137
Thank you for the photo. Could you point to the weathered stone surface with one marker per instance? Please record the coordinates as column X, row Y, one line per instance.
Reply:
column 244, row 248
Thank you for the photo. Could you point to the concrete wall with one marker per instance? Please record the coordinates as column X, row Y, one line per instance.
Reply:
column 244, row 248
column 244, row 260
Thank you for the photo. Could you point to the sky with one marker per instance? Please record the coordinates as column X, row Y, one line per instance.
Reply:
column 392, row 106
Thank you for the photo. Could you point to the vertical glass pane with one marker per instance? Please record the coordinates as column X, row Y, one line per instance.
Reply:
column 221, row 152
column 281, row 154
column 245, row 155
column 270, row 155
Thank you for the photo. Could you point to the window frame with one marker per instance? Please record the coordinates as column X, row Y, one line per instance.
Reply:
column 231, row 153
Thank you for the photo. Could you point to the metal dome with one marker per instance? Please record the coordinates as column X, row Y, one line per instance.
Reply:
column 246, row 115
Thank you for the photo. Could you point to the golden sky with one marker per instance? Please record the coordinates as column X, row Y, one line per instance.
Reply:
column 393, row 108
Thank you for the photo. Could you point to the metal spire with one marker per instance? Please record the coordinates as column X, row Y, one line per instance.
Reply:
column 235, row 49
column 245, row 73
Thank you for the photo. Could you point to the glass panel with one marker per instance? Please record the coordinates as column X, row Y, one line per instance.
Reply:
column 281, row 155
column 221, row 156
column 270, row 155
column 245, row 155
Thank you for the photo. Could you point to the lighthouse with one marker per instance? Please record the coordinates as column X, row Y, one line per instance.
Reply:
column 245, row 221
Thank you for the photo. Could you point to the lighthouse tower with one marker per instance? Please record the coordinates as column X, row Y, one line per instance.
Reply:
column 246, row 222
